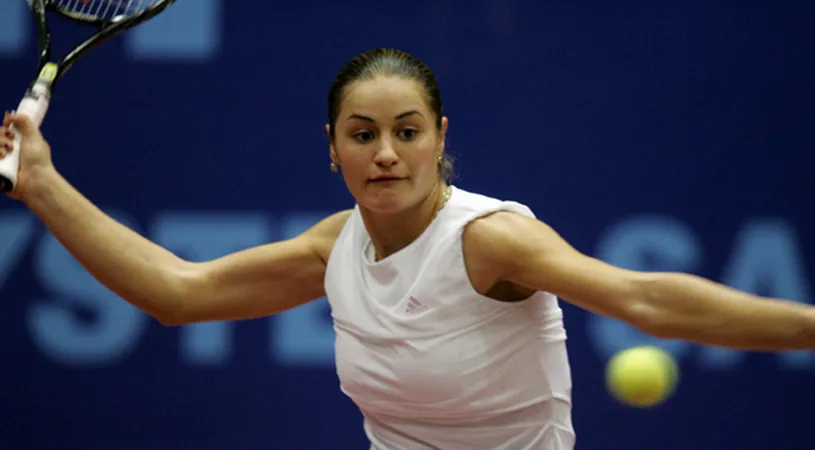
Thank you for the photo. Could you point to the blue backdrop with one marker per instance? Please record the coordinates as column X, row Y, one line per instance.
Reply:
column 655, row 135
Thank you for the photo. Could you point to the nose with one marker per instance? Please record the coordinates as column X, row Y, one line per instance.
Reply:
column 386, row 156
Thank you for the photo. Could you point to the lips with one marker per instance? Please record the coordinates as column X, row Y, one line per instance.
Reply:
column 384, row 178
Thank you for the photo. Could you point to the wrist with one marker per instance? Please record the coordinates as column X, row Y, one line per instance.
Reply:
column 809, row 327
column 37, row 183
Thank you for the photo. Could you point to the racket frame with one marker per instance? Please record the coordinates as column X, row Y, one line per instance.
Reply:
column 38, row 95
column 106, row 30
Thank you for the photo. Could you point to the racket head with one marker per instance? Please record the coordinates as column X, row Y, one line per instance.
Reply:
column 105, row 11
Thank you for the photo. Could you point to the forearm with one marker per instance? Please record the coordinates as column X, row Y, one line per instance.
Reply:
column 688, row 307
column 139, row 271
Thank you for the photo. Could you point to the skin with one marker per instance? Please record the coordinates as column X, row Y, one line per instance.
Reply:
column 387, row 129
column 508, row 256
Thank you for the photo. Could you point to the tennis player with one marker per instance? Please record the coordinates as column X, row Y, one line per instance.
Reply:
column 449, row 333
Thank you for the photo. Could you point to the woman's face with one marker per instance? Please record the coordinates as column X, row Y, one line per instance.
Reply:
column 387, row 144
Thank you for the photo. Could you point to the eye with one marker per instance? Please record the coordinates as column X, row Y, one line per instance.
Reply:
column 364, row 136
column 408, row 134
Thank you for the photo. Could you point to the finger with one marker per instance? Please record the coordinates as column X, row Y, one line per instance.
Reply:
column 22, row 123
column 6, row 147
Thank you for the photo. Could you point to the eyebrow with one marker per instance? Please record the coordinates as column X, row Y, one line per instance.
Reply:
column 399, row 117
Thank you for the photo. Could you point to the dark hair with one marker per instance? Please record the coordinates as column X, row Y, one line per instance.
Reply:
column 388, row 62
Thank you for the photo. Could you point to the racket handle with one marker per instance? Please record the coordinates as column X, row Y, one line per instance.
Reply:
column 34, row 105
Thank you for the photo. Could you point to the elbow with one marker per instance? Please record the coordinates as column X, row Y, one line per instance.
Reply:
column 168, row 319
column 650, row 320
column 174, row 309
column 644, row 312
column 168, row 313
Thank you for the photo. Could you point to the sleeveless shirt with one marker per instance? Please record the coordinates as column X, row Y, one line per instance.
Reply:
column 433, row 364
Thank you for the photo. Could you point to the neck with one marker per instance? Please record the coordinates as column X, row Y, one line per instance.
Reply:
column 392, row 232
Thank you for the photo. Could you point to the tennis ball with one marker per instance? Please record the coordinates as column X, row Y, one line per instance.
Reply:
column 642, row 376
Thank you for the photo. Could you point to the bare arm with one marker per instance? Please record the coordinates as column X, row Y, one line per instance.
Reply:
column 510, row 247
column 250, row 283
column 247, row 284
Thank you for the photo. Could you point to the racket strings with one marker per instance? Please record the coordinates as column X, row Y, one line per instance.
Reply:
column 102, row 9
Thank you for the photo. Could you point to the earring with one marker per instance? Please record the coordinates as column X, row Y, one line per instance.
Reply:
column 439, row 159
column 334, row 167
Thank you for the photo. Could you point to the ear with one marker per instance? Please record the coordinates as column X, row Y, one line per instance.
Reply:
column 331, row 151
column 444, row 125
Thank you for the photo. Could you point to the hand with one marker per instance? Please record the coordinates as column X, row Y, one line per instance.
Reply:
column 35, row 153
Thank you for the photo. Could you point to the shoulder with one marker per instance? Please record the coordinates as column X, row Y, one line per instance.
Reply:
column 496, row 244
column 471, row 207
column 333, row 224
column 324, row 233
column 500, row 232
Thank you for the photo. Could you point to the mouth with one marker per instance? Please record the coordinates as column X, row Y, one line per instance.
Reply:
column 385, row 179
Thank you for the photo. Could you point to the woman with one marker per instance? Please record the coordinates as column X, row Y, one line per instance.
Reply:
column 449, row 334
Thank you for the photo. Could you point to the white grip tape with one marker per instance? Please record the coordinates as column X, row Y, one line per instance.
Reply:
column 34, row 105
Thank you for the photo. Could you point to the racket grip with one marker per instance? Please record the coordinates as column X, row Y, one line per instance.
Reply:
column 34, row 105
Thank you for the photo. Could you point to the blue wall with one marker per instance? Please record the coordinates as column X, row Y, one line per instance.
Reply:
column 654, row 135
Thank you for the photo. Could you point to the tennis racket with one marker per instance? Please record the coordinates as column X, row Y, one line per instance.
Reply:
column 109, row 17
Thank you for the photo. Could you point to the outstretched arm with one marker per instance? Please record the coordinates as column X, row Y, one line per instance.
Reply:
column 251, row 283
column 505, row 246
column 247, row 284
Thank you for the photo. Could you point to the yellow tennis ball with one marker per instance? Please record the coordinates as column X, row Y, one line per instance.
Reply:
column 642, row 376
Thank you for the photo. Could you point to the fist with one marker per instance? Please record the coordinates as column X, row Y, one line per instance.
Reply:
column 35, row 153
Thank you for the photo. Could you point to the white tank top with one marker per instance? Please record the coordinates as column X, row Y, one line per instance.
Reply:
column 433, row 364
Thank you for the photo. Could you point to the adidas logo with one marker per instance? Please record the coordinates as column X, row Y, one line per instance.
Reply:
column 414, row 306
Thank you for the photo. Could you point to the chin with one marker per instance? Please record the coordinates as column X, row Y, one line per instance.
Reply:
column 386, row 206
column 387, row 201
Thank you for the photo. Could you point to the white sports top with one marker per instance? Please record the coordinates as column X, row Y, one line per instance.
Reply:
column 433, row 364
